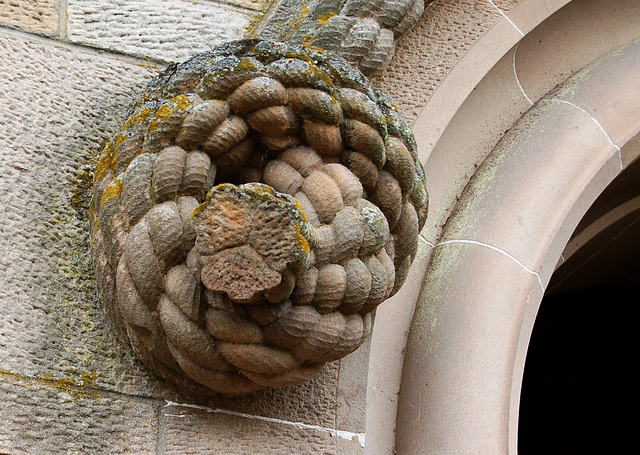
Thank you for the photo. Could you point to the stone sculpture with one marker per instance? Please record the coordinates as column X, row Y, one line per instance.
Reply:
column 363, row 32
column 261, row 200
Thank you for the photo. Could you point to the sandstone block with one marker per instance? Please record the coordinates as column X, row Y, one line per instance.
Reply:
column 65, row 104
column 40, row 16
column 169, row 30
column 188, row 432
column 49, row 415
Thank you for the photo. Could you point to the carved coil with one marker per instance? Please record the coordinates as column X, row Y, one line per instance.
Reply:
column 258, row 203
column 364, row 32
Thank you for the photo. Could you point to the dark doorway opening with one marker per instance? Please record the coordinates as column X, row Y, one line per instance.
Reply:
column 580, row 385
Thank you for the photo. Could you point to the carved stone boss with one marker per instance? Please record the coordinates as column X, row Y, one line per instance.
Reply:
column 259, row 202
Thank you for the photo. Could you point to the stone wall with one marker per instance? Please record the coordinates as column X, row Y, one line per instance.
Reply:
column 69, row 71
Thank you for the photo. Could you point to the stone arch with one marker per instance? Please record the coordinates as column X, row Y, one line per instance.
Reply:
column 491, row 243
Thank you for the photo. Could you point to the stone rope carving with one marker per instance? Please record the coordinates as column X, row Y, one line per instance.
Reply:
column 259, row 202
column 364, row 32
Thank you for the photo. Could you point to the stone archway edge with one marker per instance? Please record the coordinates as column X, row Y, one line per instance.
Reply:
column 624, row 210
column 599, row 104
column 478, row 304
column 466, row 74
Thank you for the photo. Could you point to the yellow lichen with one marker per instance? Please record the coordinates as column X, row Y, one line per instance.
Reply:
column 247, row 64
column 302, row 241
column 138, row 117
column 302, row 16
column 81, row 387
column 169, row 109
column 257, row 21
column 325, row 17
column 112, row 191
column 105, row 161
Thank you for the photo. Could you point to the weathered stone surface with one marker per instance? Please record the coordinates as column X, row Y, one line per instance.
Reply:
column 188, row 432
column 64, row 105
column 506, row 5
column 312, row 402
column 257, row 5
column 363, row 32
column 446, row 22
column 254, row 245
column 252, row 242
column 169, row 30
column 46, row 415
column 40, row 16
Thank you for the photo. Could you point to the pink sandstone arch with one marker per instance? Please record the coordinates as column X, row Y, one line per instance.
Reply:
column 503, row 209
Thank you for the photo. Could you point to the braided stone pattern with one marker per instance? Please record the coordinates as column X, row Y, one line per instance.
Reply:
column 363, row 32
column 259, row 202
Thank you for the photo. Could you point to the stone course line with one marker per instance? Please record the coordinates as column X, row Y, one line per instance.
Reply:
column 597, row 123
column 506, row 17
column 63, row 20
column 147, row 62
column 421, row 237
column 348, row 435
column 220, row 278
column 78, row 387
column 491, row 247
column 515, row 73
column 474, row 242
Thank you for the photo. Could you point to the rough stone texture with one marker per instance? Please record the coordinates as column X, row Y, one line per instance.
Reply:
column 427, row 53
column 253, row 288
column 257, row 5
column 312, row 402
column 361, row 31
column 168, row 30
column 43, row 415
column 188, row 431
column 59, row 355
column 506, row 5
column 64, row 105
column 352, row 390
column 40, row 16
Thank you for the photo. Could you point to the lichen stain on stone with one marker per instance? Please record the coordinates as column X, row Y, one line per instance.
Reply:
column 257, row 20
column 104, row 162
column 278, row 276
column 112, row 191
column 81, row 189
column 326, row 16
column 110, row 154
column 80, row 387
column 303, row 12
column 169, row 109
column 71, row 291
column 425, row 320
